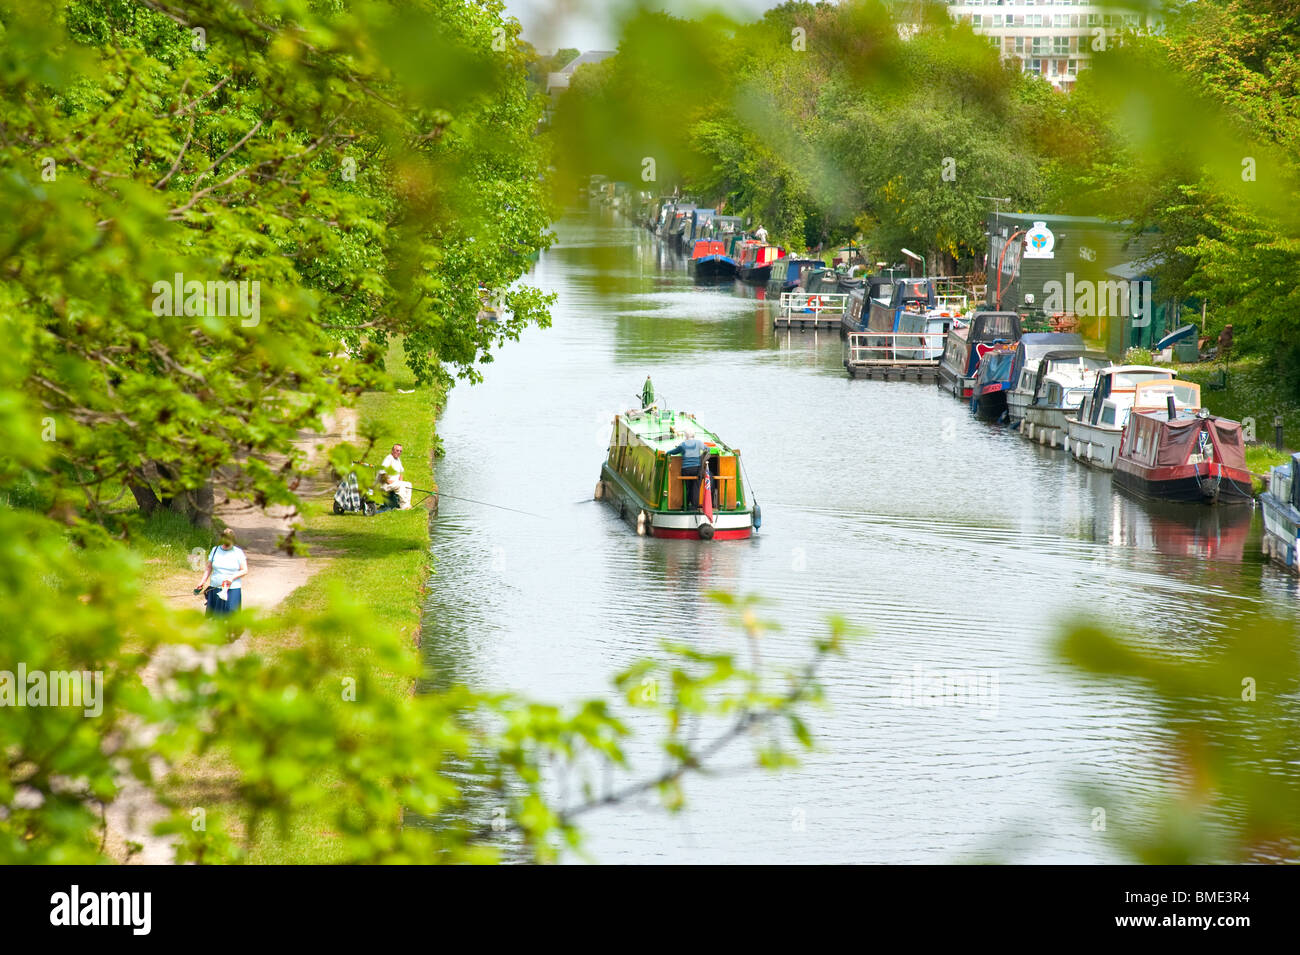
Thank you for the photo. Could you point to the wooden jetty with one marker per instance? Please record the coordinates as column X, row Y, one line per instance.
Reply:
column 886, row 356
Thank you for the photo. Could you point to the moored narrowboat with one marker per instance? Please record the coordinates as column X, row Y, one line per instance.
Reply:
column 988, row 397
column 675, row 228
column 709, row 260
column 1280, row 505
column 1062, row 381
column 1024, row 367
column 1093, row 435
column 874, row 288
column 642, row 480
column 965, row 346
column 754, row 261
column 1178, row 455
column 886, row 307
column 785, row 274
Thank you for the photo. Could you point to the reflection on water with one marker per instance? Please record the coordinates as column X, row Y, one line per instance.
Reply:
column 959, row 544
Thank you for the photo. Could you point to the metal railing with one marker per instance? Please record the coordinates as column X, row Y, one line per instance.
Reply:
column 895, row 348
column 832, row 303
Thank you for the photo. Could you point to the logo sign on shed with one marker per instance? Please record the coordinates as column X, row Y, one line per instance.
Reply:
column 1039, row 242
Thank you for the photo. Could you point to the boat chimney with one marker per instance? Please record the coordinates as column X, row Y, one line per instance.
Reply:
column 1173, row 410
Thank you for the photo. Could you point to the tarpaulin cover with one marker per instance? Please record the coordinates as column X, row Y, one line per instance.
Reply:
column 995, row 366
column 1177, row 441
column 1231, row 450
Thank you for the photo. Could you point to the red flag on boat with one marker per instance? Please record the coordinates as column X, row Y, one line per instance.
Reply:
column 706, row 491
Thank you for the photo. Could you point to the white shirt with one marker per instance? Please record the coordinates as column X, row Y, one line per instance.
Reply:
column 225, row 564
column 761, row 235
column 391, row 465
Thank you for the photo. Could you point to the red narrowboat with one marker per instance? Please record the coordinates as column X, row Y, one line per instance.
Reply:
column 1177, row 455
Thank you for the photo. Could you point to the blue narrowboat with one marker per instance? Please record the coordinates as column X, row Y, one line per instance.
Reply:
column 788, row 273
column 902, row 295
column 967, row 345
column 1280, row 505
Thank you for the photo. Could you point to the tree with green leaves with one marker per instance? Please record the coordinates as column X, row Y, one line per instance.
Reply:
column 219, row 214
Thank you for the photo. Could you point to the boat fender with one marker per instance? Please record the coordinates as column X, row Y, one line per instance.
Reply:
column 705, row 531
column 758, row 516
column 600, row 490
column 642, row 524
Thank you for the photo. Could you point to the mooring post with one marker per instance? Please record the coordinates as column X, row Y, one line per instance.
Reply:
column 1277, row 431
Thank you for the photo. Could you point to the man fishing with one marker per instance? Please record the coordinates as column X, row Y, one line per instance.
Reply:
column 391, row 478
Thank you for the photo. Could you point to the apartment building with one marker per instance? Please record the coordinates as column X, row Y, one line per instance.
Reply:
column 1054, row 38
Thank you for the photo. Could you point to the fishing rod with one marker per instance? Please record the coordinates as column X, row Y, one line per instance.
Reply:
column 470, row 500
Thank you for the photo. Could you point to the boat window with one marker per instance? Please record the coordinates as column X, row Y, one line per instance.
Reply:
column 1130, row 379
column 1108, row 415
column 996, row 326
column 1186, row 394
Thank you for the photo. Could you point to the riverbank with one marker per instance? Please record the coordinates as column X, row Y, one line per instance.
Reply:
column 382, row 561
column 1250, row 392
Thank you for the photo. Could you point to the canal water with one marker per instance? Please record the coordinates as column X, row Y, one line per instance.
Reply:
column 958, row 545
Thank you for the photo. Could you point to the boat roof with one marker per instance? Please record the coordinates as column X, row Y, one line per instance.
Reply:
column 1186, row 393
column 1032, row 347
column 1065, row 353
column 1125, row 369
column 1040, row 343
column 663, row 430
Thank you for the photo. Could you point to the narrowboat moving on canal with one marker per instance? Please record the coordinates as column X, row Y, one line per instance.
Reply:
column 1093, row 435
column 644, row 483
column 966, row 346
column 1185, row 456
column 1024, row 367
column 1280, row 505
column 1061, row 383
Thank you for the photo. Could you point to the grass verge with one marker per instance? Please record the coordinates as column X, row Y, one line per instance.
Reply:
column 386, row 559
column 1254, row 392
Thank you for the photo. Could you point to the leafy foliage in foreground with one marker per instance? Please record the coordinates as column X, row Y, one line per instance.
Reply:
column 1226, row 771
column 310, row 731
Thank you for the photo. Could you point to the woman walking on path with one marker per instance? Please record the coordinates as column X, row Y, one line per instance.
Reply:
column 227, row 566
